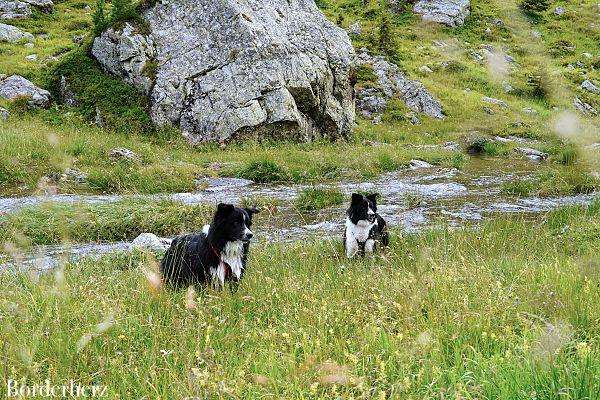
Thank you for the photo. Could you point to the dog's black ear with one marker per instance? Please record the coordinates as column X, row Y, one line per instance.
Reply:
column 356, row 198
column 224, row 209
column 373, row 197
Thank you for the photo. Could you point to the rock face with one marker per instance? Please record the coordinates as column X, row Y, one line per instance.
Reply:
column 12, row 34
column 222, row 69
column 392, row 83
column 16, row 86
column 448, row 12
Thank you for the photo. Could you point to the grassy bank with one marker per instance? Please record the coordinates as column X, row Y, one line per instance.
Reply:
column 509, row 311
column 54, row 223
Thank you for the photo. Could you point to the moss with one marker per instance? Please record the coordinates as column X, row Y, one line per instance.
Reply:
column 122, row 106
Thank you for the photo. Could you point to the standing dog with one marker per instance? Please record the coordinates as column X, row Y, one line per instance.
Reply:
column 217, row 255
column 364, row 227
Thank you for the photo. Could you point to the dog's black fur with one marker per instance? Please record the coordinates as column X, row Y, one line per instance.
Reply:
column 193, row 259
column 362, row 216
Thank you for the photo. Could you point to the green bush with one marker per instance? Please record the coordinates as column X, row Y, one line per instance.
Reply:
column 534, row 6
column 123, row 107
column 262, row 171
column 312, row 199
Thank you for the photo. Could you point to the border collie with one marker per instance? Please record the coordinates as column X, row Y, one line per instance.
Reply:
column 214, row 256
column 364, row 227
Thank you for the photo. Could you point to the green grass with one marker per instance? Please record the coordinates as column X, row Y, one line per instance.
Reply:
column 554, row 182
column 503, row 312
column 53, row 223
column 316, row 198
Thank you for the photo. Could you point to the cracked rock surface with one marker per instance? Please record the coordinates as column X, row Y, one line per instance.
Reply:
column 448, row 12
column 223, row 69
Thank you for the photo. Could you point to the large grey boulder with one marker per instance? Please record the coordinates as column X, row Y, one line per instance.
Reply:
column 12, row 34
column 16, row 86
column 590, row 87
column 393, row 83
column 223, row 69
column 448, row 12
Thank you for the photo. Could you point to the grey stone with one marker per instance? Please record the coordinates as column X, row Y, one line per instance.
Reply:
column 451, row 146
column 492, row 100
column 370, row 101
column 31, row 57
column 149, row 241
column 590, row 87
column 412, row 117
column 355, row 29
column 67, row 96
column 507, row 87
column 419, row 164
column 532, row 154
column 425, row 69
column 12, row 34
column 448, row 12
column 393, row 83
column 529, row 110
column 77, row 39
column 16, row 86
column 122, row 153
column 558, row 11
column 226, row 69
column 583, row 107
column 42, row 5
column 488, row 110
column 73, row 175
column 4, row 113
column 13, row 9
column 99, row 119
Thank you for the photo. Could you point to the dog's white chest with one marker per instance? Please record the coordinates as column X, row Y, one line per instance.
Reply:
column 358, row 233
column 232, row 256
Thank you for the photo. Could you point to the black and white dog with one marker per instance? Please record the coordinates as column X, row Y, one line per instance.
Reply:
column 364, row 227
column 214, row 256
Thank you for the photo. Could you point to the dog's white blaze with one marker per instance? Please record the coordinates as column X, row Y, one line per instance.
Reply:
column 248, row 232
column 358, row 232
column 232, row 255
column 205, row 229
column 370, row 212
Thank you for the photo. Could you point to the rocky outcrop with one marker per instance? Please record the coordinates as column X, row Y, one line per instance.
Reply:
column 16, row 86
column 584, row 107
column 391, row 82
column 590, row 87
column 14, row 9
column 223, row 69
column 12, row 34
column 448, row 12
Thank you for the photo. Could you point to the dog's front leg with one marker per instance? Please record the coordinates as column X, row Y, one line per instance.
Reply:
column 351, row 247
column 370, row 246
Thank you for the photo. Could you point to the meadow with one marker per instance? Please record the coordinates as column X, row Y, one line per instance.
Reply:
column 508, row 311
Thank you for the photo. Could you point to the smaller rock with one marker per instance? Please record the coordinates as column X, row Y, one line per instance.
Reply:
column 77, row 39
column 488, row 31
column 532, row 154
column 4, row 114
column 31, row 57
column 498, row 22
column 149, row 241
column 590, row 87
column 558, row 11
column 451, row 146
column 98, row 119
column 594, row 146
column 529, row 110
column 419, row 164
column 45, row 6
column 73, row 175
column 377, row 119
column 507, row 87
column 584, row 108
column 425, row 69
column 488, row 110
column 536, row 34
column 67, row 96
column 355, row 29
column 492, row 100
column 369, row 101
column 16, row 86
column 502, row 139
column 412, row 117
column 122, row 153
column 587, row 55
column 14, row 9
column 448, row 12
column 12, row 34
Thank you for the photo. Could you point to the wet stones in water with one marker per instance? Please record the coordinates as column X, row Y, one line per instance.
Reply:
column 216, row 184
column 533, row 154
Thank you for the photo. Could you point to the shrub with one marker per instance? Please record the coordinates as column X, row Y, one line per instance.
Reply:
column 387, row 163
column 385, row 34
column 122, row 106
column 99, row 17
column 263, row 171
column 534, row 6
column 318, row 198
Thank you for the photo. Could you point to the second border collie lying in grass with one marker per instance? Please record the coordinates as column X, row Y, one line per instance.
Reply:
column 215, row 256
column 364, row 227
